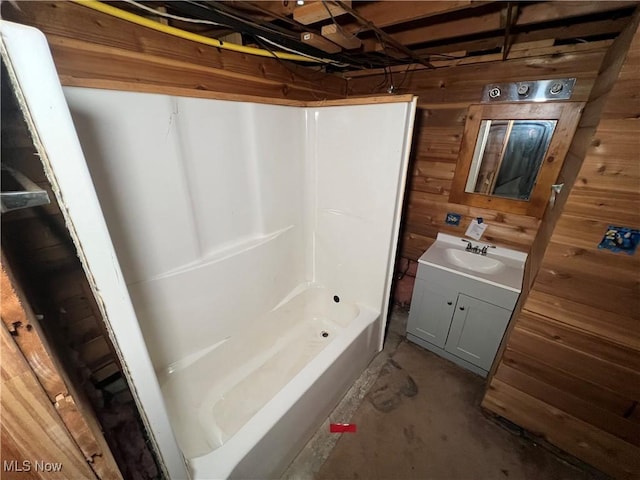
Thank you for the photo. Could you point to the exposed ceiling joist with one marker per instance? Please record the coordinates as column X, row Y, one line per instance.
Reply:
column 387, row 14
column 547, row 11
column 313, row 12
column 345, row 39
column 529, row 14
column 392, row 42
column 370, row 35
column 319, row 42
column 602, row 27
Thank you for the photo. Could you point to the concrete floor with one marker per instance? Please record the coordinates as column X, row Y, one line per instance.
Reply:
column 418, row 417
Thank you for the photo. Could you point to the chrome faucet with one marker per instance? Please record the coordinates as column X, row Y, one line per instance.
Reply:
column 471, row 247
column 483, row 250
column 475, row 249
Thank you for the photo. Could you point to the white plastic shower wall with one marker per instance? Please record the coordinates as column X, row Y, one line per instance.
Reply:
column 202, row 199
column 218, row 210
column 360, row 182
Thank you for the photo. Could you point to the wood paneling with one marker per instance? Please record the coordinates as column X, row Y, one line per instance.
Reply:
column 90, row 45
column 570, row 366
column 568, row 400
column 444, row 96
column 539, row 369
column 463, row 84
column 577, row 437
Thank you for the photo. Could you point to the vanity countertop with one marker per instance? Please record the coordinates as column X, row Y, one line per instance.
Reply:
column 501, row 267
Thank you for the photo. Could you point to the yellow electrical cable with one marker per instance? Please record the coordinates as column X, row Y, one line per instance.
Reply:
column 176, row 32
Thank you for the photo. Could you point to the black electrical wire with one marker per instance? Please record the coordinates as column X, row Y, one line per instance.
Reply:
column 272, row 33
column 220, row 13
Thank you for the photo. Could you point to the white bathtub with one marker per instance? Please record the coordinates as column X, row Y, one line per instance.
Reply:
column 194, row 219
column 230, row 403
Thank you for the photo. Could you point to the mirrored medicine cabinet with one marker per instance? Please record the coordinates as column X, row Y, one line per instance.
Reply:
column 511, row 155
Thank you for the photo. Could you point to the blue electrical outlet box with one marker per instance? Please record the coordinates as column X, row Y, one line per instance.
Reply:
column 453, row 219
column 620, row 239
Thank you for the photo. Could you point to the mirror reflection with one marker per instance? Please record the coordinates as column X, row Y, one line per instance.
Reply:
column 508, row 157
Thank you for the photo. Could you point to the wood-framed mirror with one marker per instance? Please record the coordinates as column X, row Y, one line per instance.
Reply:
column 511, row 154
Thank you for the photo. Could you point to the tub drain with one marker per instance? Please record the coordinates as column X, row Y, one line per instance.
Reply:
column 336, row 298
column 325, row 334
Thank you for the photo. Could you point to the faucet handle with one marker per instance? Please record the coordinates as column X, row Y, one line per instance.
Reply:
column 485, row 248
column 469, row 244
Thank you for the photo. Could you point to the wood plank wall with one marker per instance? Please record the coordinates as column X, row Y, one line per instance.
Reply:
column 444, row 97
column 570, row 367
column 90, row 47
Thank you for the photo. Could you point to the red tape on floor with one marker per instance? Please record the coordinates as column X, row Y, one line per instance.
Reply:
column 342, row 428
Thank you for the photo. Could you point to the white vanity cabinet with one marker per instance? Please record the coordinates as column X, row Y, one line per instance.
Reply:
column 476, row 331
column 460, row 315
column 432, row 309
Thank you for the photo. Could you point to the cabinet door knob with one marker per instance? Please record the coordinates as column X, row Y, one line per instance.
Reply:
column 449, row 303
column 461, row 308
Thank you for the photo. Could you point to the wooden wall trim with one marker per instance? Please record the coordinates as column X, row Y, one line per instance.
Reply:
column 108, row 84
column 567, row 115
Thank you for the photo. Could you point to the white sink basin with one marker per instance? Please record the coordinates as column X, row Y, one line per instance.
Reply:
column 501, row 267
column 473, row 261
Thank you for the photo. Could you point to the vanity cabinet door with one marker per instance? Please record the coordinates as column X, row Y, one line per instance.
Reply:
column 476, row 331
column 432, row 307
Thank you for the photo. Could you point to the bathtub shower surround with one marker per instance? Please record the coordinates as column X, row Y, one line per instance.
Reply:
column 256, row 243
column 241, row 252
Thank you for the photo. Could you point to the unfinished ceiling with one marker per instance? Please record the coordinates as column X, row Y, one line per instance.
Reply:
column 361, row 38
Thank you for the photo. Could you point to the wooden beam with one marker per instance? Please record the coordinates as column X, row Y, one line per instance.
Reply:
column 312, row 12
column 610, row 26
column 277, row 8
column 336, row 35
column 31, row 427
column 319, row 42
column 76, row 415
column 548, row 11
column 383, row 35
column 386, row 14
column 450, row 29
